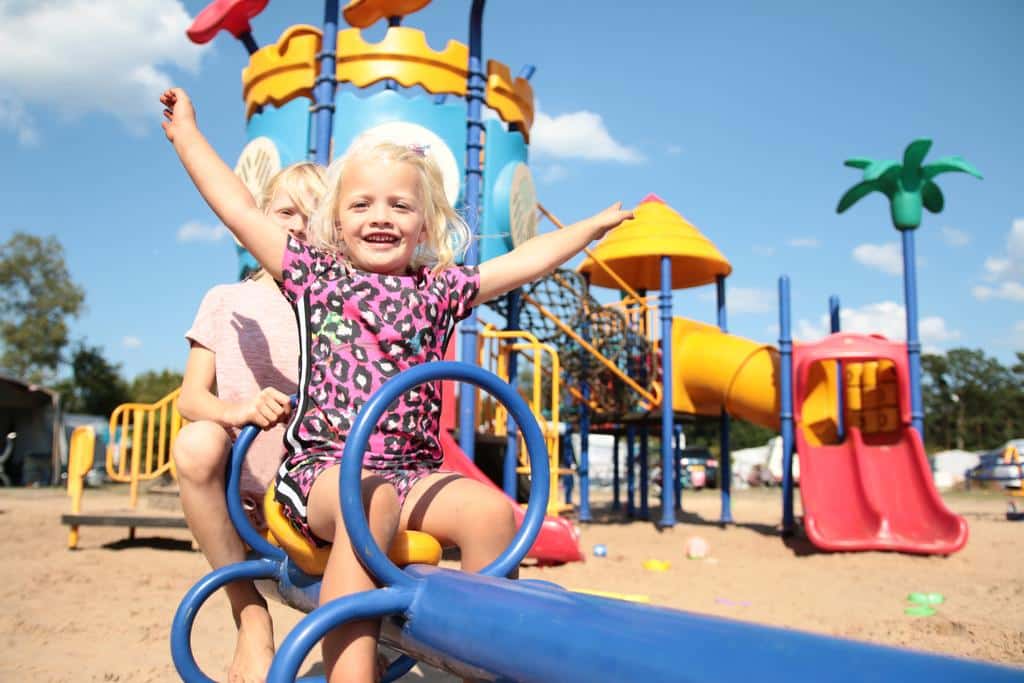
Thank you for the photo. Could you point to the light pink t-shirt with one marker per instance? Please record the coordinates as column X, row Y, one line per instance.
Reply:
column 251, row 330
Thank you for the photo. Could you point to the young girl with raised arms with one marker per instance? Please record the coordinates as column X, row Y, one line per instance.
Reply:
column 376, row 290
column 241, row 369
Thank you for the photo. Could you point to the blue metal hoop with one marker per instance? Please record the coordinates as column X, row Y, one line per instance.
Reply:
column 350, row 491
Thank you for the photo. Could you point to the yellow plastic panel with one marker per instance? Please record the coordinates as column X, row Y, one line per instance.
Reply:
column 818, row 414
column 512, row 99
column 279, row 73
column 365, row 13
column 403, row 56
column 408, row 547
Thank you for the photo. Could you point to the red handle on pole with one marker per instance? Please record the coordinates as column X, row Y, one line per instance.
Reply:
column 224, row 15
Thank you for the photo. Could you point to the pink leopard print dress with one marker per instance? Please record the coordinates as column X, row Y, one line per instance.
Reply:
column 356, row 330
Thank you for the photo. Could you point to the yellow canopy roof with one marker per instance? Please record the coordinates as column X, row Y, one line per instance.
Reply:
column 634, row 250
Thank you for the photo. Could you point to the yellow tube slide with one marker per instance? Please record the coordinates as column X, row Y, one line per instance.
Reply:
column 713, row 369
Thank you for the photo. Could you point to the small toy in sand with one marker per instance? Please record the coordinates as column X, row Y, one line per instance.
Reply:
column 600, row 550
column 697, row 548
column 654, row 565
column 926, row 598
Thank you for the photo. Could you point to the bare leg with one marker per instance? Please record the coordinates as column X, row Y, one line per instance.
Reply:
column 460, row 511
column 350, row 652
column 200, row 456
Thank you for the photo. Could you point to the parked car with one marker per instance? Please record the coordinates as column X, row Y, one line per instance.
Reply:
column 699, row 468
column 1004, row 465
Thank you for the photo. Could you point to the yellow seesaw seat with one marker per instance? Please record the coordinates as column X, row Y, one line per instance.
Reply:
column 408, row 547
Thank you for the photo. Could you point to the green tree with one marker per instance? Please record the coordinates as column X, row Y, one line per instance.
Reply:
column 151, row 386
column 38, row 298
column 974, row 400
column 96, row 386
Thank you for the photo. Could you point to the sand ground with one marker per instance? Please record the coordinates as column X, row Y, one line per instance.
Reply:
column 102, row 613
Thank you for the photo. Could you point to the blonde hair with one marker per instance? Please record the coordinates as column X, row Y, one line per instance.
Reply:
column 447, row 235
column 304, row 182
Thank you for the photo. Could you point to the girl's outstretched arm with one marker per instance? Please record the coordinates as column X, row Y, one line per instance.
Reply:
column 542, row 254
column 219, row 186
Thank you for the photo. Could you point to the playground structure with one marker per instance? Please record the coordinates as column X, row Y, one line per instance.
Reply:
column 606, row 362
column 844, row 403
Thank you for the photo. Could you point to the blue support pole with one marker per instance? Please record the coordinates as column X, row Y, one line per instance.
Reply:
column 678, row 462
column 645, row 475
column 568, row 459
column 631, row 470
column 509, row 476
column 668, row 488
column 390, row 84
column 786, row 404
column 583, row 464
column 475, row 85
column 325, row 85
column 725, row 454
column 835, row 326
column 913, row 342
column 616, row 505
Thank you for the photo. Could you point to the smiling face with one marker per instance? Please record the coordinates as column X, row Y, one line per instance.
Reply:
column 380, row 214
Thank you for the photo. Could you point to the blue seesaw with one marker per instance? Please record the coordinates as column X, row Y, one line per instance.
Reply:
column 490, row 628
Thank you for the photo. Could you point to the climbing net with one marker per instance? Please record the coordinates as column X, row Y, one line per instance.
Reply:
column 565, row 296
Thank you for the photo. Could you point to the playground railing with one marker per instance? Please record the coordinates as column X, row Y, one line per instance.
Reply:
column 496, row 349
column 141, row 435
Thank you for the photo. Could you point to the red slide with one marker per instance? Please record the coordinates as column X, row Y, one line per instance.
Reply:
column 872, row 491
column 859, row 495
column 557, row 541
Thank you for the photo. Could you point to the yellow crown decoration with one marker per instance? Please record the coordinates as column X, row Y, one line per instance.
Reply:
column 287, row 69
column 365, row 13
column 403, row 55
column 280, row 72
column 512, row 99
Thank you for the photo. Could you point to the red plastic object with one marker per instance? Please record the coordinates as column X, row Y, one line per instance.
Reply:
column 227, row 15
column 874, row 491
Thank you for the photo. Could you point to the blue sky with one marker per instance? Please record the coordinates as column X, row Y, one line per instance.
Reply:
column 738, row 114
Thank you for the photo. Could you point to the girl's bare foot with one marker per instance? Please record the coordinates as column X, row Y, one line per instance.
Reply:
column 254, row 650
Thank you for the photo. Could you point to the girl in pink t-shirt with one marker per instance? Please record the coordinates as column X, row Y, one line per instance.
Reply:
column 241, row 369
column 375, row 290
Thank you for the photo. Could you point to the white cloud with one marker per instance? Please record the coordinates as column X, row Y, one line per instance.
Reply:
column 887, row 318
column 1005, row 271
column 1011, row 291
column 762, row 250
column 15, row 119
column 745, row 299
column 130, row 342
column 578, row 135
column 82, row 56
column 954, row 237
column 552, row 173
column 194, row 231
column 804, row 242
column 750, row 300
column 673, row 150
column 884, row 257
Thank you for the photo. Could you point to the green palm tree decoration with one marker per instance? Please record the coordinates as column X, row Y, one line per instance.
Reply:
column 909, row 185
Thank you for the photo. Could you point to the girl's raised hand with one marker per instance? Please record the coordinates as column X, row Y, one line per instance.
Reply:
column 178, row 111
column 609, row 218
